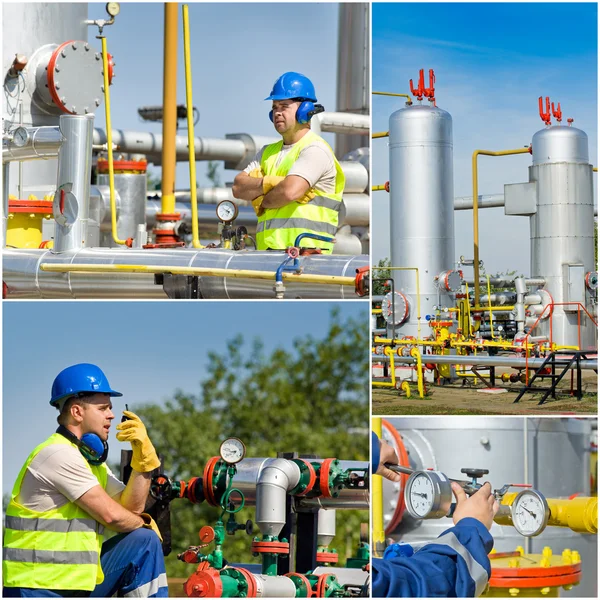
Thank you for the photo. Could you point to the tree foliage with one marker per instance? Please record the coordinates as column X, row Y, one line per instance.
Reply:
column 212, row 172
column 310, row 396
column 379, row 288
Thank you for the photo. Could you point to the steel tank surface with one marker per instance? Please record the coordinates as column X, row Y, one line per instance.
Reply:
column 421, row 205
column 562, row 230
column 557, row 465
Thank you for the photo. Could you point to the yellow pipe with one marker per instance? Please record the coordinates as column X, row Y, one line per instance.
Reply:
column 380, row 340
column 406, row 387
column 595, row 169
column 392, row 384
column 415, row 352
column 197, row 271
column 489, row 291
column 468, row 309
column 111, row 168
column 380, row 134
column 476, row 153
column 167, row 204
column 378, row 188
column 376, row 311
column 407, row 96
column 488, row 308
column 377, row 495
column 190, row 122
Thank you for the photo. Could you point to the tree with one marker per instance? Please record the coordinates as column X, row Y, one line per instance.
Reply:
column 153, row 181
column 310, row 396
column 378, row 287
column 212, row 173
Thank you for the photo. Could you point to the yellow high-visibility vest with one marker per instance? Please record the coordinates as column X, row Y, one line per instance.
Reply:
column 58, row 549
column 278, row 228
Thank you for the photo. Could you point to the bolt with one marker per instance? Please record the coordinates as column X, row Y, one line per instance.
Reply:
column 85, row 110
column 56, row 69
column 547, row 552
column 74, row 45
column 73, row 110
column 576, row 556
column 513, row 591
column 98, row 56
column 97, row 102
column 513, row 563
column 545, row 591
column 520, row 550
column 63, row 100
column 87, row 47
column 63, row 54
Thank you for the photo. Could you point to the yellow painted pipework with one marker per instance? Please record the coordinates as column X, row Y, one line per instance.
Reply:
column 489, row 291
column 391, row 384
column 378, row 188
column 197, row 271
column 470, row 332
column 377, row 496
column 579, row 514
column 376, row 311
column 109, row 144
column 407, row 96
column 406, row 387
column 476, row 153
column 380, row 340
column 169, row 132
column 380, row 134
column 490, row 308
column 190, row 122
column 416, row 354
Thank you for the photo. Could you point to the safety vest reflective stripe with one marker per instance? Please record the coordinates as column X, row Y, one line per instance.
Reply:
column 57, row 525
column 326, row 202
column 478, row 574
column 148, row 589
column 50, row 556
column 296, row 223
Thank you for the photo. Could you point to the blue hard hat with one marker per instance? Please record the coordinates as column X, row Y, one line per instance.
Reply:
column 293, row 85
column 83, row 377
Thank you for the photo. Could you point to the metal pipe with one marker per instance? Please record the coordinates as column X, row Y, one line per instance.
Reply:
column 483, row 201
column 25, row 279
column 407, row 96
column 190, row 121
column 380, row 134
column 5, row 189
column 377, row 491
column 507, row 281
column 72, row 198
column 341, row 122
column 476, row 153
column 325, row 527
column 40, row 143
column 109, row 145
column 270, row 586
column 274, row 482
column 169, row 108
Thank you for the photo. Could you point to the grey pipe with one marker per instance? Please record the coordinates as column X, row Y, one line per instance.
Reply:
column 274, row 482
column 268, row 586
column 41, row 143
column 507, row 281
column 483, row 201
column 341, row 122
column 72, row 199
column 325, row 527
column 5, row 189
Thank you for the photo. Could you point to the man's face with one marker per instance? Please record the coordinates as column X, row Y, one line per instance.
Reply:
column 284, row 115
column 97, row 415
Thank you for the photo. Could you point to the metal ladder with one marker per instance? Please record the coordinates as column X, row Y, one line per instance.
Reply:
column 554, row 360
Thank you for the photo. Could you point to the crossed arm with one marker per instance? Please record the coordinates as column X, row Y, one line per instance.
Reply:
column 292, row 188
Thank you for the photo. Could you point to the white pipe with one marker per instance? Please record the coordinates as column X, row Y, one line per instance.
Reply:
column 275, row 480
column 269, row 586
column 41, row 143
column 341, row 122
column 483, row 201
column 325, row 527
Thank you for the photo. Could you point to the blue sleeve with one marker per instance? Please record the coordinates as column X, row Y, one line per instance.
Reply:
column 374, row 452
column 454, row 565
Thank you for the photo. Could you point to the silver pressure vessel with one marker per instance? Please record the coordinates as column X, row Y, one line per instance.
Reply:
column 421, row 205
column 562, row 230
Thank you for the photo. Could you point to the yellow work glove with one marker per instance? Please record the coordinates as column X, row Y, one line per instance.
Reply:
column 150, row 523
column 270, row 181
column 257, row 205
column 133, row 430
column 307, row 197
column 256, row 173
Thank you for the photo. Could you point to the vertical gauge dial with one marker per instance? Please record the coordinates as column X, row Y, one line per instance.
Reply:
column 227, row 211
column 232, row 450
column 428, row 495
column 20, row 136
column 530, row 513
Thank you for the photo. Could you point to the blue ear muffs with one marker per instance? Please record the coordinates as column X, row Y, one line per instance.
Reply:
column 305, row 111
column 92, row 448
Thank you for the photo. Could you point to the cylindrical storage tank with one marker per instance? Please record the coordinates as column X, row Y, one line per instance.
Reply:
column 421, row 204
column 562, row 230
column 550, row 454
column 131, row 185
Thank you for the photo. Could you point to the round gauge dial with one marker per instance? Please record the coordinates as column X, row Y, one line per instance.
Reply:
column 428, row 495
column 227, row 211
column 232, row 450
column 113, row 8
column 530, row 513
column 20, row 136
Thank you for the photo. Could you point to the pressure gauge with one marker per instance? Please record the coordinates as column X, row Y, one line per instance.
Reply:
column 428, row 495
column 20, row 136
column 113, row 8
column 530, row 513
column 227, row 211
column 232, row 451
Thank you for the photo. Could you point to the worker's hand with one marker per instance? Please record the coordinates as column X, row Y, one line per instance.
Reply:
column 150, row 523
column 387, row 455
column 257, row 206
column 256, row 173
column 270, row 181
column 307, row 197
column 481, row 506
column 133, row 430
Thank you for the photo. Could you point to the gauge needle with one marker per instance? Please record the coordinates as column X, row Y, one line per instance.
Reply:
column 530, row 512
column 420, row 494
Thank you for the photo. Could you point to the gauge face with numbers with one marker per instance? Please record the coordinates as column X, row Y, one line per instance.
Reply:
column 20, row 137
column 227, row 211
column 421, row 495
column 113, row 8
column 530, row 513
column 428, row 495
column 232, row 450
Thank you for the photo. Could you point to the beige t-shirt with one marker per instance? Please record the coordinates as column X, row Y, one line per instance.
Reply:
column 58, row 475
column 314, row 163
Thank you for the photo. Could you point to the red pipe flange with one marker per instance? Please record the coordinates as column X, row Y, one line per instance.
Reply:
column 207, row 479
column 204, row 583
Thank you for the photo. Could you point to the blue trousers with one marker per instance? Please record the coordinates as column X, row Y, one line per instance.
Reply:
column 133, row 565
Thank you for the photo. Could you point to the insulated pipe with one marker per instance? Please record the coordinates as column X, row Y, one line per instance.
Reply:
column 339, row 122
column 169, row 130
column 41, row 143
column 475, row 205
column 72, row 198
column 325, row 527
column 269, row 586
column 507, row 281
column 5, row 188
column 483, row 201
column 274, row 482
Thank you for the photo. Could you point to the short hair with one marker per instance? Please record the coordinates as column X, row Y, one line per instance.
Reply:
column 64, row 405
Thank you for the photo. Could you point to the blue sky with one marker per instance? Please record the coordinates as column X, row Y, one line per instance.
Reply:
column 237, row 50
column 492, row 62
column 146, row 349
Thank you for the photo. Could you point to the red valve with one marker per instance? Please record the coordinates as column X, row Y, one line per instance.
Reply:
column 430, row 91
column 420, row 91
column 545, row 116
column 557, row 113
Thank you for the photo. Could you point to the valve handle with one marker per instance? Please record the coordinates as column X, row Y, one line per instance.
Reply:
column 475, row 473
column 249, row 527
column 161, row 487
column 206, row 534
column 545, row 116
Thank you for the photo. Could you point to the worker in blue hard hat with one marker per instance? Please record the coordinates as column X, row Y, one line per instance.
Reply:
column 65, row 496
column 296, row 184
column 455, row 564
